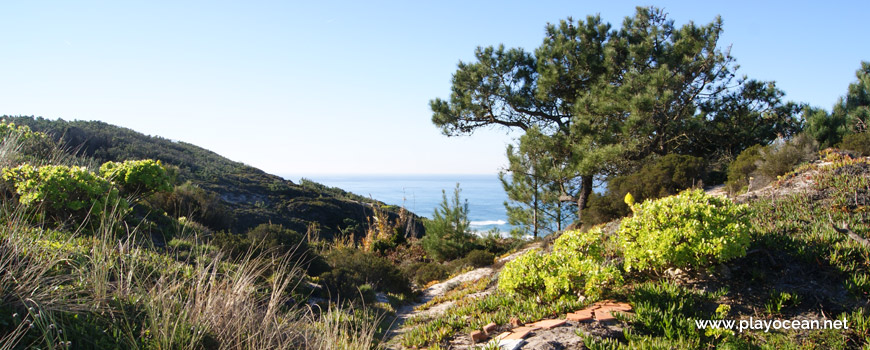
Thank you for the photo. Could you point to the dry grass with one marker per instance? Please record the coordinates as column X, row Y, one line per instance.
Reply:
column 112, row 276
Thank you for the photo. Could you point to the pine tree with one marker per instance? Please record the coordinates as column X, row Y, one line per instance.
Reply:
column 447, row 233
column 533, row 186
column 607, row 99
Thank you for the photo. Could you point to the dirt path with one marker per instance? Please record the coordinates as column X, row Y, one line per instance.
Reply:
column 408, row 311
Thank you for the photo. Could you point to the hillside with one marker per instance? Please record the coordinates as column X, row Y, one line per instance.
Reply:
column 96, row 255
column 247, row 196
column 805, row 261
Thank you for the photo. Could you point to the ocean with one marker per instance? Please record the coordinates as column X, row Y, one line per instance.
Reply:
column 421, row 194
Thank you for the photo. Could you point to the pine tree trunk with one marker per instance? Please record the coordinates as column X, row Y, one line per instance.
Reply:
column 583, row 198
column 535, row 207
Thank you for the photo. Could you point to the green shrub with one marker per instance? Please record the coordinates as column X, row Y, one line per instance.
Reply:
column 447, row 236
column 742, row 168
column 479, row 258
column 423, row 272
column 352, row 268
column 139, row 177
column 180, row 244
column 21, row 131
column 63, row 192
column 271, row 239
column 19, row 144
column 576, row 266
column 859, row 143
column 523, row 275
column 689, row 229
column 234, row 245
column 780, row 158
column 603, row 208
column 659, row 177
column 493, row 242
column 191, row 201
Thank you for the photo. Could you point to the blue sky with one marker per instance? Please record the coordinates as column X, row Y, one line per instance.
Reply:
column 343, row 87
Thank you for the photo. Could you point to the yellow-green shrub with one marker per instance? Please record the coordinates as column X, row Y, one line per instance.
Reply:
column 62, row 191
column 138, row 176
column 576, row 266
column 689, row 229
column 22, row 131
column 19, row 144
column 523, row 274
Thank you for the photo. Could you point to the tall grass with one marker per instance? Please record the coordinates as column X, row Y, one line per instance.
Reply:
column 204, row 303
column 107, row 286
column 338, row 328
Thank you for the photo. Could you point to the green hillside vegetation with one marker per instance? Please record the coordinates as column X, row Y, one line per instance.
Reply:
column 695, row 256
column 91, row 261
column 656, row 112
column 221, row 194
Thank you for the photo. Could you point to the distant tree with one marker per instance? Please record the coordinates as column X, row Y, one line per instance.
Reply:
column 608, row 98
column 849, row 115
column 525, row 189
column 534, row 186
column 447, row 233
column 826, row 129
column 856, row 105
column 859, row 143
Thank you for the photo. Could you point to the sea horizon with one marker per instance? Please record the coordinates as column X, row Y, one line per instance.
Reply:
column 422, row 193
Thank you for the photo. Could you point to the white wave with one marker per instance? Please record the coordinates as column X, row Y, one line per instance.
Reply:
column 488, row 222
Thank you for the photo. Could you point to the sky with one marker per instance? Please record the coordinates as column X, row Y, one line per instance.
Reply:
column 323, row 87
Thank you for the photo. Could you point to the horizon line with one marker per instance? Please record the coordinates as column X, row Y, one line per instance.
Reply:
column 383, row 174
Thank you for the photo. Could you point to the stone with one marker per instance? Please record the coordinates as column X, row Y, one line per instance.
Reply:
column 623, row 307
column 603, row 315
column 556, row 338
column 674, row 272
column 511, row 344
column 549, row 324
column 580, row 316
column 515, row 322
column 478, row 336
column 491, row 327
column 520, row 332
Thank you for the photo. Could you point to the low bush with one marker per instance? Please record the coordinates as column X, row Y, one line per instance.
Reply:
column 196, row 203
column 19, row 144
column 479, row 258
column 384, row 234
column 352, row 268
column 659, row 177
column 689, row 229
column 492, row 241
column 423, row 272
column 63, row 192
column 577, row 266
column 741, row 169
column 603, row 208
column 859, row 143
column 138, row 177
column 782, row 157
column 274, row 240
